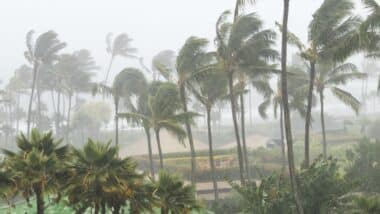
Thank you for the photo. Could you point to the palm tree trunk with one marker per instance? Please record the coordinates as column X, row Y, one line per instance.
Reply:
column 109, row 69
column 147, row 132
column 38, row 105
column 57, row 116
column 308, row 114
column 103, row 205
column 323, row 125
column 164, row 210
column 236, row 127
column 116, row 121
column 17, row 113
column 35, row 69
column 189, row 134
column 96, row 211
column 68, row 119
column 39, row 199
column 157, row 133
column 288, row 128
column 242, row 121
column 211, row 154
column 116, row 209
column 283, row 153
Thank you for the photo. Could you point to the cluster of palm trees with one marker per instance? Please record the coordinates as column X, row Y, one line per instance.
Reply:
column 244, row 58
column 94, row 177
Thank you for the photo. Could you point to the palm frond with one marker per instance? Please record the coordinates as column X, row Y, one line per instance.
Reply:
column 346, row 98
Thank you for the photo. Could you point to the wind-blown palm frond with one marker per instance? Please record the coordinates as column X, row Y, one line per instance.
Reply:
column 346, row 98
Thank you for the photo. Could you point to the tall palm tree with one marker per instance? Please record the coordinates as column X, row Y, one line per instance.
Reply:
column 120, row 46
column 333, row 26
column 162, row 107
column 173, row 195
column 297, row 80
column 209, row 88
column 286, row 109
column 330, row 77
column 43, row 50
column 129, row 82
column 99, row 177
column 187, row 65
column 36, row 167
column 237, row 43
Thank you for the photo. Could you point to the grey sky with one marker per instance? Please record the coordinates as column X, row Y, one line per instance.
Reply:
column 153, row 24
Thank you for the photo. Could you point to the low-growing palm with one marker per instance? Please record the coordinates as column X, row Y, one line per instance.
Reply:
column 36, row 167
column 98, row 178
column 173, row 195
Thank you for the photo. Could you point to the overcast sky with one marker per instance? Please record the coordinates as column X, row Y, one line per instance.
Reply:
column 153, row 24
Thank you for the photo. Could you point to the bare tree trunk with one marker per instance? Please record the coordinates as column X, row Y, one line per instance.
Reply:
column 35, row 70
column 157, row 133
column 288, row 128
column 109, row 69
column 68, row 119
column 236, row 127
column 242, row 121
column 308, row 114
column 323, row 125
column 211, row 154
column 189, row 134
column 116, row 121
column 147, row 132
column 283, row 153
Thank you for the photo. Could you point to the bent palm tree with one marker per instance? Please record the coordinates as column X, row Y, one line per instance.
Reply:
column 285, row 103
column 41, row 51
column 162, row 104
column 120, row 46
column 329, row 77
column 333, row 26
column 127, row 83
column 209, row 88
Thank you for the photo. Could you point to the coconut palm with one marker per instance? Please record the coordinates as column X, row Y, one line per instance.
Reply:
column 209, row 88
column 75, row 73
column 43, row 50
column 162, row 64
column 237, row 43
column 161, row 112
column 120, row 46
column 187, row 66
column 129, row 82
column 333, row 26
column 173, row 195
column 36, row 167
column 331, row 77
column 286, row 109
column 298, row 80
column 99, row 177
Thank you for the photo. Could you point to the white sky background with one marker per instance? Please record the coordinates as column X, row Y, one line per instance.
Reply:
column 154, row 25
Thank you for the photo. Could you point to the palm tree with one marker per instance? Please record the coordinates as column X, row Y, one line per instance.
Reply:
column 162, row 104
column 75, row 73
column 99, row 177
column 242, row 46
column 162, row 64
column 127, row 83
column 187, row 65
column 36, row 167
column 330, row 77
column 297, row 80
column 333, row 26
column 173, row 195
column 41, row 51
column 120, row 46
column 286, row 109
column 209, row 88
